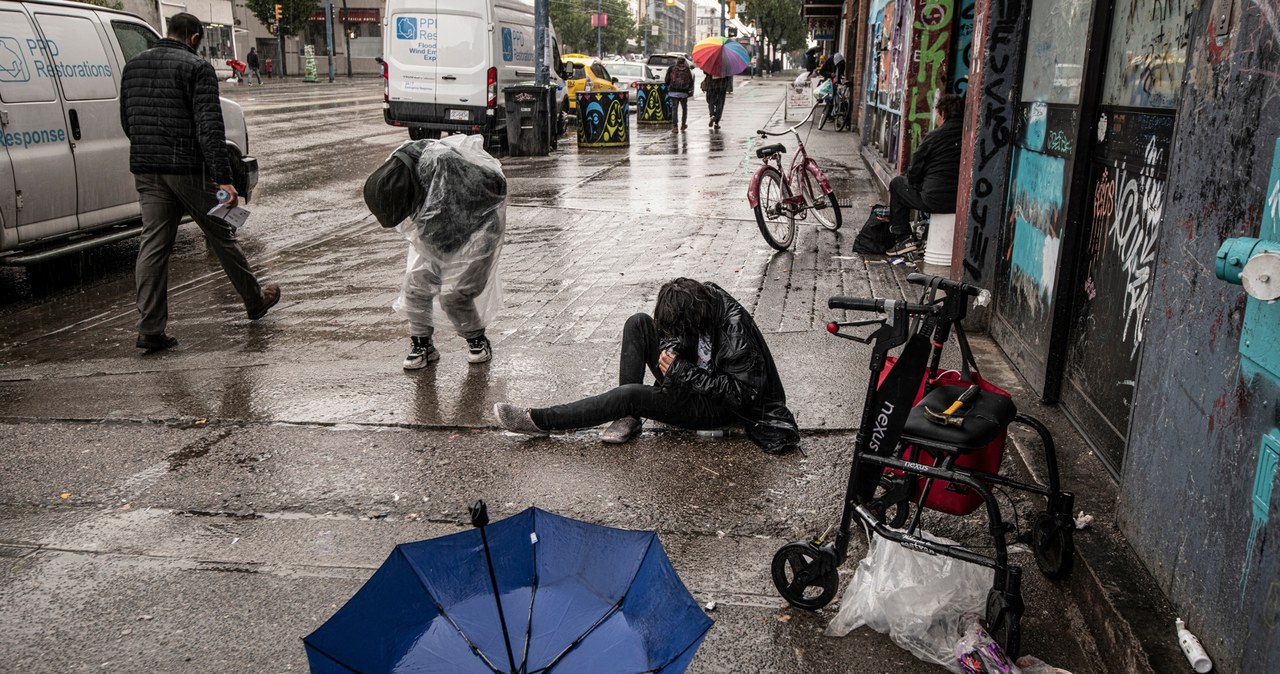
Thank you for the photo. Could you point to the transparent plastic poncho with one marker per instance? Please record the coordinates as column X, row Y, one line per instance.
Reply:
column 455, row 238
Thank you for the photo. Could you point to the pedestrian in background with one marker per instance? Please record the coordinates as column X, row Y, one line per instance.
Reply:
column 170, row 111
column 252, row 60
column 716, row 88
column 679, row 87
column 711, row 366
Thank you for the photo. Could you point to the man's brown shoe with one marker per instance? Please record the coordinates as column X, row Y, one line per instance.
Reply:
column 270, row 295
column 160, row 342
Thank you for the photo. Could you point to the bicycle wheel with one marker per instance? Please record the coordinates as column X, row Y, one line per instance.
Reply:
column 777, row 222
column 842, row 118
column 826, row 114
column 821, row 204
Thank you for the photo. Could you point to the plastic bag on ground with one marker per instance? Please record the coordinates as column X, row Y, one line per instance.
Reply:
column 455, row 237
column 978, row 653
column 914, row 597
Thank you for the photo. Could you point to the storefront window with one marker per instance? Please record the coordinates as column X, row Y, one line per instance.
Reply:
column 1056, row 43
column 216, row 44
column 1147, row 56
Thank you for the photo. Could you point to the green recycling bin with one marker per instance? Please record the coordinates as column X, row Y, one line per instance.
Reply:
column 603, row 119
column 531, row 113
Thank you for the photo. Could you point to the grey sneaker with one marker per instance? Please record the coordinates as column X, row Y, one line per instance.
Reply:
column 421, row 353
column 517, row 420
column 622, row 430
column 479, row 350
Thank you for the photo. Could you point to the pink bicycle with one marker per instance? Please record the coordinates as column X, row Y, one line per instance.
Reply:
column 778, row 201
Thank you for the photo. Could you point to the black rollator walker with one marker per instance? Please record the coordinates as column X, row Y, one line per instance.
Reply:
column 931, row 440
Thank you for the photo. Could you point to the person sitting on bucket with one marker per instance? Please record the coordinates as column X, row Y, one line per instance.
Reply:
column 711, row 366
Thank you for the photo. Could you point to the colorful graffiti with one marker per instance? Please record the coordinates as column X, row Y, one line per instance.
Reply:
column 962, row 48
column 994, row 76
column 1037, row 237
column 603, row 122
column 932, row 33
column 652, row 104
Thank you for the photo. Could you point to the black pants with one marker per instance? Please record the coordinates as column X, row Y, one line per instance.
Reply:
column 902, row 198
column 678, row 104
column 715, row 104
column 640, row 349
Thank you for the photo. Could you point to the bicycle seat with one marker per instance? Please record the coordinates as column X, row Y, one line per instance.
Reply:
column 984, row 419
column 769, row 150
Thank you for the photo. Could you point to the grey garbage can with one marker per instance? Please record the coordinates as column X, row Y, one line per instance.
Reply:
column 530, row 119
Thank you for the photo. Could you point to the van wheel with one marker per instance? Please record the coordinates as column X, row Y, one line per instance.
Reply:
column 423, row 134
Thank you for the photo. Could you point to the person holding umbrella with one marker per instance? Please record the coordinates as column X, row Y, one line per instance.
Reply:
column 720, row 58
column 715, row 88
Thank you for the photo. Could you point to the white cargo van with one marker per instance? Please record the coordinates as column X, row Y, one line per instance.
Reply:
column 65, row 184
column 446, row 63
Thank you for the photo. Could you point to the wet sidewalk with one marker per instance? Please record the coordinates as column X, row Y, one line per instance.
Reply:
column 199, row 510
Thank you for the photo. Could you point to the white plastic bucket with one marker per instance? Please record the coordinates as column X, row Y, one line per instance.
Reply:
column 942, row 230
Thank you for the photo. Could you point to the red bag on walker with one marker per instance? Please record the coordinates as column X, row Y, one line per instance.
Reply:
column 944, row 496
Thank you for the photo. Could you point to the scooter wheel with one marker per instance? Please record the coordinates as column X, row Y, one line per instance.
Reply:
column 1053, row 545
column 806, row 575
column 1004, row 622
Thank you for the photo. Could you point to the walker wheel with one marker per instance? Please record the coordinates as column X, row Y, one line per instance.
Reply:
column 1052, row 545
column 892, row 502
column 806, row 575
column 1004, row 622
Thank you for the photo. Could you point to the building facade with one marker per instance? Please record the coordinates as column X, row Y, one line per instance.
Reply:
column 1112, row 150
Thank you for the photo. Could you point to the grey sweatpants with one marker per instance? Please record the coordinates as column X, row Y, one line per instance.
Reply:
column 164, row 200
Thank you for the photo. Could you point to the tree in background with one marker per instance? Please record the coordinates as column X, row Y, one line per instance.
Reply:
column 294, row 13
column 778, row 20
column 572, row 19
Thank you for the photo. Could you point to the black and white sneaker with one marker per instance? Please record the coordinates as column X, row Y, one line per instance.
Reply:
column 421, row 353
column 479, row 350
column 906, row 244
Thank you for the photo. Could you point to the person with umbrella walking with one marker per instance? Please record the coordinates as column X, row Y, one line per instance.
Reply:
column 679, row 81
column 716, row 88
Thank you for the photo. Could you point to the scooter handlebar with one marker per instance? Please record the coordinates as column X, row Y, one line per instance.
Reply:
column 872, row 304
column 944, row 283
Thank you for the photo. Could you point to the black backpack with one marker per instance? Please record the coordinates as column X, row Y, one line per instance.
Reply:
column 874, row 238
column 392, row 192
column 681, row 80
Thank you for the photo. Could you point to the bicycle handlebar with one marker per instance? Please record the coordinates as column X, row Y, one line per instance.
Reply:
column 873, row 304
column 944, row 283
column 762, row 132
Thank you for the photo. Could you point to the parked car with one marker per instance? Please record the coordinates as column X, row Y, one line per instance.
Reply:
column 63, row 155
column 578, row 70
column 659, row 63
column 446, row 63
column 630, row 75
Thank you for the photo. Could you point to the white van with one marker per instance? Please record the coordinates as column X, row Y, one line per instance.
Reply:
column 65, row 184
column 446, row 63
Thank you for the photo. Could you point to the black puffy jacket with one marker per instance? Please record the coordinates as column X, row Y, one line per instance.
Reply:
column 935, row 166
column 742, row 377
column 170, row 111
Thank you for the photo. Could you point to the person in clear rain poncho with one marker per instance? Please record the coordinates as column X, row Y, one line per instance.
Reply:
column 455, row 240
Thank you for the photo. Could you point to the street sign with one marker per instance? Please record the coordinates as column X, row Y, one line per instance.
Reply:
column 599, row 20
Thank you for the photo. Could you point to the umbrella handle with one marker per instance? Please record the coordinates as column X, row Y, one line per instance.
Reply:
column 479, row 513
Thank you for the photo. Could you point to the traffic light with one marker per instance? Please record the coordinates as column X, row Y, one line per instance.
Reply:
column 671, row 3
column 279, row 11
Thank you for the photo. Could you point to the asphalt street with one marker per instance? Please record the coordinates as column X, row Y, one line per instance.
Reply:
column 200, row 510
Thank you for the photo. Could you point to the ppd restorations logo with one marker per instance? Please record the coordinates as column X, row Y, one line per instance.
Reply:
column 406, row 28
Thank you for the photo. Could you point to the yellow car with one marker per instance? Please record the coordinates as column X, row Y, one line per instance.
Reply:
column 578, row 68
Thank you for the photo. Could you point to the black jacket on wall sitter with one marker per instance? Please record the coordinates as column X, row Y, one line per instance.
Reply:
column 935, row 166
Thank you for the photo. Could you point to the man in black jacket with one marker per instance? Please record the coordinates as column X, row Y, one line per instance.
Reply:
column 931, row 179
column 712, row 369
column 170, row 111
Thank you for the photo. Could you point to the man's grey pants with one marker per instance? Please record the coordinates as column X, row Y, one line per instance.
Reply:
column 164, row 200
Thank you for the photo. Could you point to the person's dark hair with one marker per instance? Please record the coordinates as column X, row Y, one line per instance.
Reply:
column 183, row 25
column 950, row 106
column 684, row 308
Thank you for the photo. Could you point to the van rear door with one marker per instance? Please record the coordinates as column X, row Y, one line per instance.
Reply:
column 414, row 51
column 88, row 77
column 466, row 39
column 34, row 135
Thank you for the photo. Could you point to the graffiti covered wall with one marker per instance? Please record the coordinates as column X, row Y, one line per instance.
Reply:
column 929, row 49
column 1204, row 419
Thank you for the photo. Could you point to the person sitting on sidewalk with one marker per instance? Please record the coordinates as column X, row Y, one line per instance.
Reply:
column 931, row 179
column 711, row 367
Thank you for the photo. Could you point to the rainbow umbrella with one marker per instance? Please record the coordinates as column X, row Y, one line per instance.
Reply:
column 720, row 57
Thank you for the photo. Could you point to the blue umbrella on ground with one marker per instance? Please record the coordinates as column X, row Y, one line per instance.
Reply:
column 532, row 593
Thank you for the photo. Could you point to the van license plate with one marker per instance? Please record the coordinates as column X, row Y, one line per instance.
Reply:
column 458, row 116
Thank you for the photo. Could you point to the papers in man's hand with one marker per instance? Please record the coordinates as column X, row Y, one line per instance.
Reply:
column 232, row 215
